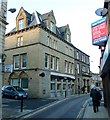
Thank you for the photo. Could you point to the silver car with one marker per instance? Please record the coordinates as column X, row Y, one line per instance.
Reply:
column 15, row 92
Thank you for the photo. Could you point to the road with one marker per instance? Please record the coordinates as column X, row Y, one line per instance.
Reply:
column 68, row 108
column 12, row 108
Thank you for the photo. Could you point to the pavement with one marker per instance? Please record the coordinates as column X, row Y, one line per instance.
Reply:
column 38, row 104
column 101, row 114
column 11, row 109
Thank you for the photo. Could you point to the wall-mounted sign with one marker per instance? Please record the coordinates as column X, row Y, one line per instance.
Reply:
column 99, row 32
column 8, row 68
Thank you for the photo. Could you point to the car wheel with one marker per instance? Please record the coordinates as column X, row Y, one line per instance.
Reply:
column 16, row 97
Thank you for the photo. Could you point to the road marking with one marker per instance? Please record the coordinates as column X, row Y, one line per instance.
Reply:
column 43, row 108
column 82, row 109
column 80, row 113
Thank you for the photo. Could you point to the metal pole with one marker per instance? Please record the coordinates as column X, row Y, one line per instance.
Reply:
column 22, row 103
column 65, row 93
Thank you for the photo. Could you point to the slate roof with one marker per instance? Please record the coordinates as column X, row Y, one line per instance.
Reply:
column 28, row 14
column 37, row 18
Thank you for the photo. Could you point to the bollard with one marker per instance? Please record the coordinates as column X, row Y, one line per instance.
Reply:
column 65, row 93
column 22, row 103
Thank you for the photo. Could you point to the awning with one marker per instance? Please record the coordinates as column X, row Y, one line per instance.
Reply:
column 63, row 75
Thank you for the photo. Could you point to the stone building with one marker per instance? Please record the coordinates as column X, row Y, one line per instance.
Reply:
column 40, row 56
column 82, row 72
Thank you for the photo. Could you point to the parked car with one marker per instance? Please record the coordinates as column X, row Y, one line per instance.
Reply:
column 15, row 92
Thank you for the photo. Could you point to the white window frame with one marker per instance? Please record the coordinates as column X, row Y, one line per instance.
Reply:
column 82, row 58
column 88, row 70
column 14, row 57
column 22, row 60
column 83, row 68
column 52, row 62
column 14, row 82
column 21, row 84
column 66, row 66
column 20, row 41
column 78, row 68
column 52, row 26
column 77, row 55
column 21, row 24
column 72, row 68
column 57, row 63
column 46, row 61
column 69, row 67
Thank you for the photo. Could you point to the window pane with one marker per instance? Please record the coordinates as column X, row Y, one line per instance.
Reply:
column 23, row 60
column 52, row 26
column 52, row 86
column 66, row 66
column 19, row 41
column 69, row 67
column 57, row 63
column 21, row 24
column 58, row 86
column 14, row 82
column 46, row 61
column 78, row 68
column 24, row 83
column 72, row 68
column 16, row 62
column 52, row 62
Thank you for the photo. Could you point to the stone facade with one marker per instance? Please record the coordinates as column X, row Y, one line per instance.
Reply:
column 82, row 72
column 40, row 56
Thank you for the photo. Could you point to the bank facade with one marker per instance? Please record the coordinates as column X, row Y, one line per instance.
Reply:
column 40, row 56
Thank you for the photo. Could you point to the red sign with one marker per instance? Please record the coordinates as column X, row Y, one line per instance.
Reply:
column 99, row 31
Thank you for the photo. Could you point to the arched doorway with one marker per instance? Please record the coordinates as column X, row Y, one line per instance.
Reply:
column 14, row 79
column 23, row 77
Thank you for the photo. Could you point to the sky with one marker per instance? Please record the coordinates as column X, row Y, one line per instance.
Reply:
column 79, row 14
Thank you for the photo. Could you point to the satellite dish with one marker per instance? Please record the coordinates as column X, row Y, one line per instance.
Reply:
column 101, row 11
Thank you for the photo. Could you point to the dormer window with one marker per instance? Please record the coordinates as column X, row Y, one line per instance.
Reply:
column 52, row 26
column 21, row 24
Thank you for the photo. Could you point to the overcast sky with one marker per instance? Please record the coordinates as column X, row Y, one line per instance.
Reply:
column 79, row 14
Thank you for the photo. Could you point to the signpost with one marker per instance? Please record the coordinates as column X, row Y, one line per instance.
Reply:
column 99, row 32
